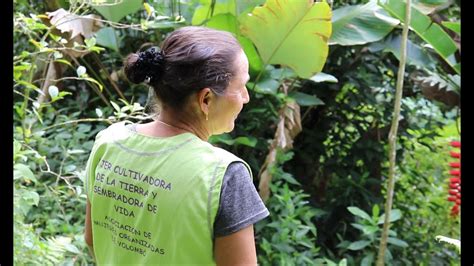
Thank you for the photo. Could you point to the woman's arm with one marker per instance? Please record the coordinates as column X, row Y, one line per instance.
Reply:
column 236, row 249
column 88, row 229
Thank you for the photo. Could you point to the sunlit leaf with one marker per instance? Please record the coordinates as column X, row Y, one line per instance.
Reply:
column 395, row 214
column 228, row 22
column 358, row 245
column 21, row 170
column 323, row 77
column 454, row 26
column 205, row 10
column 358, row 212
column 290, row 33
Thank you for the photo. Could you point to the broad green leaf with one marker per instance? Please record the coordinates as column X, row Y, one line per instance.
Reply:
column 392, row 233
column 454, row 26
column 358, row 212
column 370, row 230
column 107, row 37
column 265, row 86
column 388, row 256
column 343, row 262
column 228, row 22
column 330, row 263
column 323, row 77
column 304, row 99
column 247, row 141
column 358, row 226
column 115, row 12
column 358, row 245
column 227, row 139
column 429, row 31
column 394, row 215
column 290, row 33
column 416, row 55
column 205, row 10
column 29, row 198
column 367, row 260
column 16, row 147
column 361, row 24
column 397, row 242
column 21, row 170
column 282, row 73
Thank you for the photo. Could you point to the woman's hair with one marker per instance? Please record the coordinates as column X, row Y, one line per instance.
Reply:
column 190, row 59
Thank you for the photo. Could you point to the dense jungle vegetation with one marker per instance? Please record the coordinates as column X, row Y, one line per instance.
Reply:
column 315, row 132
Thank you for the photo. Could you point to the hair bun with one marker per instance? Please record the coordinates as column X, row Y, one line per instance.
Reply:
column 145, row 66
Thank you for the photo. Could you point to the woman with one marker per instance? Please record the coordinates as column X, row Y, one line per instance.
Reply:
column 159, row 193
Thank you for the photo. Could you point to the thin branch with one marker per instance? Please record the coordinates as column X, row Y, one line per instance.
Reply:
column 110, row 121
column 392, row 137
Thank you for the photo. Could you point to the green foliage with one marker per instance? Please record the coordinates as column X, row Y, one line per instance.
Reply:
column 415, row 53
column 450, row 241
column 107, row 37
column 290, row 33
column 229, row 22
column 371, row 229
column 337, row 162
column 430, row 32
column 287, row 236
column 454, row 26
column 421, row 195
column 209, row 8
column 116, row 10
column 360, row 24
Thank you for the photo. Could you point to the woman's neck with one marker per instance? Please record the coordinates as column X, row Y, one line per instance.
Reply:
column 182, row 122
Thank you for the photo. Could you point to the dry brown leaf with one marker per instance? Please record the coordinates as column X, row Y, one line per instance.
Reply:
column 289, row 126
column 66, row 22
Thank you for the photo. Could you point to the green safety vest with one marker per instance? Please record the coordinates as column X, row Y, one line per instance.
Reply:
column 154, row 200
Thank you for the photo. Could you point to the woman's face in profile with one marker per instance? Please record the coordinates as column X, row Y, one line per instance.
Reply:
column 229, row 105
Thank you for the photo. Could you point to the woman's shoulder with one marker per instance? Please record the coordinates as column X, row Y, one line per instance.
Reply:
column 113, row 133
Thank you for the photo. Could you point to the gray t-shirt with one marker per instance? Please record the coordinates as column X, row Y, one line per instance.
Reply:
column 240, row 204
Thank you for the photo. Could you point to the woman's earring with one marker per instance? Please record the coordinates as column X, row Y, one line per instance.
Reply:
column 207, row 118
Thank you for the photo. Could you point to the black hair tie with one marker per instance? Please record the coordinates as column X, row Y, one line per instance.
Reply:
column 152, row 63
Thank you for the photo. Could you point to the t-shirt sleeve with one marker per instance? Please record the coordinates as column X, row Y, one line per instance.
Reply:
column 240, row 204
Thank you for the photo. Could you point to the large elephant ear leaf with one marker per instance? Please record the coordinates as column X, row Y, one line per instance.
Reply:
column 360, row 24
column 228, row 22
column 429, row 31
column 290, row 33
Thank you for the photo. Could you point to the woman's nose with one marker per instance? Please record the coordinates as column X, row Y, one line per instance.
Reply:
column 246, row 95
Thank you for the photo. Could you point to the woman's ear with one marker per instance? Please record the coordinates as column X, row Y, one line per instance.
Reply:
column 205, row 97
